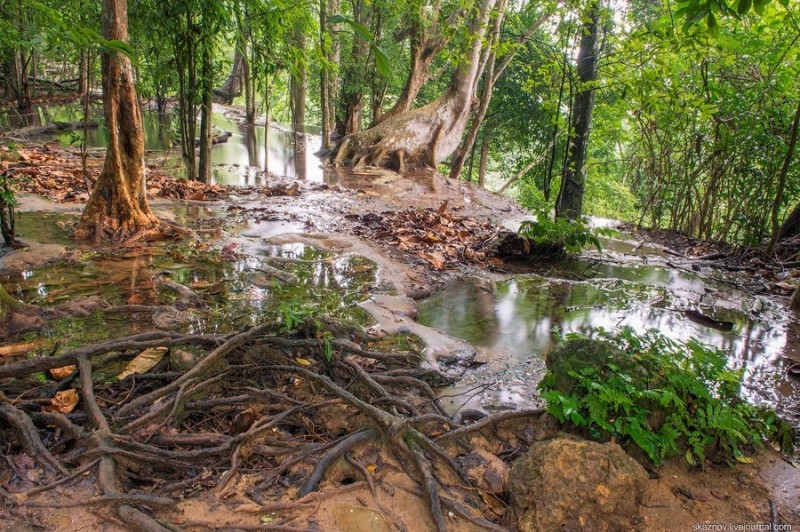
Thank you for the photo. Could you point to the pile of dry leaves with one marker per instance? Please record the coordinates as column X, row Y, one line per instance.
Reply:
column 439, row 237
column 57, row 173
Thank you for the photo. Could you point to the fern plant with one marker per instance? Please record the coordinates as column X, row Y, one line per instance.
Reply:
column 666, row 398
column 572, row 235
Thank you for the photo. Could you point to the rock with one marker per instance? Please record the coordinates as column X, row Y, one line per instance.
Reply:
column 184, row 360
column 488, row 472
column 32, row 257
column 169, row 318
column 567, row 484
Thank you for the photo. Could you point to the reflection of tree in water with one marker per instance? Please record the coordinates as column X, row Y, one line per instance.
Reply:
column 251, row 142
column 465, row 311
column 516, row 323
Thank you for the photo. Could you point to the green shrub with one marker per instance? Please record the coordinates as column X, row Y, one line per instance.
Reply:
column 571, row 235
column 674, row 398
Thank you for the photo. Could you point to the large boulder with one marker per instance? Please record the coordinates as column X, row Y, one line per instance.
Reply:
column 568, row 484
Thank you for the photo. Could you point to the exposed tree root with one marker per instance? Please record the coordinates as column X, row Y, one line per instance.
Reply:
column 256, row 401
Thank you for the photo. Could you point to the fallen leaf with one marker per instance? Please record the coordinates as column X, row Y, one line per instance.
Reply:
column 62, row 402
column 144, row 361
column 303, row 361
column 434, row 259
column 63, row 372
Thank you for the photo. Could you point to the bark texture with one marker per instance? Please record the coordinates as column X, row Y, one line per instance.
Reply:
column 232, row 87
column 427, row 135
column 118, row 206
column 426, row 42
column 570, row 200
column 778, row 230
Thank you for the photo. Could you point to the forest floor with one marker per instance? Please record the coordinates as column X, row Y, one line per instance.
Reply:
column 220, row 462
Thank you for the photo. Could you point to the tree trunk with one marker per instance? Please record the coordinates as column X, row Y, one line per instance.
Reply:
column 247, row 54
column 570, row 200
column 460, row 155
column 232, row 87
column 83, row 74
column 206, row 109
column 429, row 134
column 335, row 59
column 185, row 50
column 787, row 162
column 118, row 206
column 298, row 106
column 493, row 74
column 251, row 141
column 267, row 96
column 297, row 88
column 484, row 163
column 426, row 43
column 355, row 70
column 8, row 222
column 249, row 93
column 794, row 304
column 324, row 74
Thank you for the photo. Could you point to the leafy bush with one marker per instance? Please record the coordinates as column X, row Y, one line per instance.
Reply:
column 296, row 317
column 571, row 235
column 665, row 397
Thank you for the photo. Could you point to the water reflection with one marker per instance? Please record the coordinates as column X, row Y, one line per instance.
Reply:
column 239, row 161
column 516, row 324
column 235, row 294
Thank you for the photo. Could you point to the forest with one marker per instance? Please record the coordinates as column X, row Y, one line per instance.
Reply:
column 399, row 264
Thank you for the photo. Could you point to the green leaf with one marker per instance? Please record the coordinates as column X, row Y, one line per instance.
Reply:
column 690, row 458
column 382, row 62
column 743, row 6
column 337, row 19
